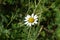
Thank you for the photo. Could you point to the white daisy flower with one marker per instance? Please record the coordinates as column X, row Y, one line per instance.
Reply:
column 31, row 20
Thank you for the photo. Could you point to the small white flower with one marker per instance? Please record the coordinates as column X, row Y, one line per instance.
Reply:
column 31, row 20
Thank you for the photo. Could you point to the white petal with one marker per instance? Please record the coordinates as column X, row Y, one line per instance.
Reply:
column 26, row 23
column 35, row 22
column 29, row 24
column 35, row 16
column 25, row 20
column 28, row 16
column 36, row 19
column 32, row 15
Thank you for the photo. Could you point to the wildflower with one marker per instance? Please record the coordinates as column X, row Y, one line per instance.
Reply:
column 31, row 20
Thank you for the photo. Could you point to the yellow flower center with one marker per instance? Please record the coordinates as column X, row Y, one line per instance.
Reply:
column 31, row 20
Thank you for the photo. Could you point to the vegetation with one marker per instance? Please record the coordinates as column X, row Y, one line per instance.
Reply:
column 12, row 15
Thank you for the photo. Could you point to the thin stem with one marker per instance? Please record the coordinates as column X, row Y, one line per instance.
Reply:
column 29, row 33
column 39, row 17
column 12, row 18
column 35, row 3
column 9, row 22
column 49, row 31
column 36, row 6
column 39, row 31
column 29, row 7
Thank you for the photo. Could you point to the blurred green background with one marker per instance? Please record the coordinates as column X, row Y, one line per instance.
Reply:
column 13, row 12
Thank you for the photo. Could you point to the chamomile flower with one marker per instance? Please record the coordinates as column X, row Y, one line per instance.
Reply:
column 31, row 20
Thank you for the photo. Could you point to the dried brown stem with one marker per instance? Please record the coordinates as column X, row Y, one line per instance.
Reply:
column 49, row 31
column 40, row 31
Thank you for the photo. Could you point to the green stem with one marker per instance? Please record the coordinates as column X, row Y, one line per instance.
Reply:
column 29, row 33
column 36, row 6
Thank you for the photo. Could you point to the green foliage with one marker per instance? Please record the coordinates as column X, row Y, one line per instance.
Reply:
column 13, row 12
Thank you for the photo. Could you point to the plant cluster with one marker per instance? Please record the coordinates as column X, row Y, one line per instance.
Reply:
column 29, row 19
